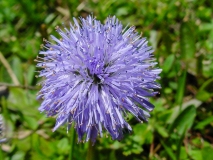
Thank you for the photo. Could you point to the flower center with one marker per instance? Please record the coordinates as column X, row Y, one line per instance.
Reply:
column 95, row 68
column 96, row 79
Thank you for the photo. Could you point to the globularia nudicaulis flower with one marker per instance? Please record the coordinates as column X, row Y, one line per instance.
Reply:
column 96, row 74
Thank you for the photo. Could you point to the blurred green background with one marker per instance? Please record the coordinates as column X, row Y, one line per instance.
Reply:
column 181, row 125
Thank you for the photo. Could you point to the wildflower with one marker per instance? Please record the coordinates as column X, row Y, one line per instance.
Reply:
column 2, row 130
column 96, row 74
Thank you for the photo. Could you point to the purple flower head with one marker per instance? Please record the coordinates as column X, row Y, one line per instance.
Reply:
column 96, row 74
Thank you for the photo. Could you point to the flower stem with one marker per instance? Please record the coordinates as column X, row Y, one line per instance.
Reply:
column 72, row 138
column 90, row 151
column 1, row 153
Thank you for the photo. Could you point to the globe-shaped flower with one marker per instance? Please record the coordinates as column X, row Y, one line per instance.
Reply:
column 95, row 75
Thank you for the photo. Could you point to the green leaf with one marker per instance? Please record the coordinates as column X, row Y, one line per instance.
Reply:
column 203, row 95
column 183, row 154
column 207, row 153
column 116, row 145
column 207, row 83
column 176, row 110
column 168, row 150
column 195, row 154
column 187, row 40
column 36, row 144
column 24, row 144
column 155, row 37
column 63, row 146
column 142, row 134
column 167, row 65
column 181, row 88
column 17, row 68
column 122, row 11
column 44, row 148
column 161, row 130
column 18, row 156
column 203, row 123
column 184, row 120
column 206, row 27
column 31, row 122
column 30, row 74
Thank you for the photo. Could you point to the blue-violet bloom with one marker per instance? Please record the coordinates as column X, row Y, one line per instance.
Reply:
column 95, row 75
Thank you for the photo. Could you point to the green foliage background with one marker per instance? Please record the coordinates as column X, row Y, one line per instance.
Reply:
column 181, row 125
